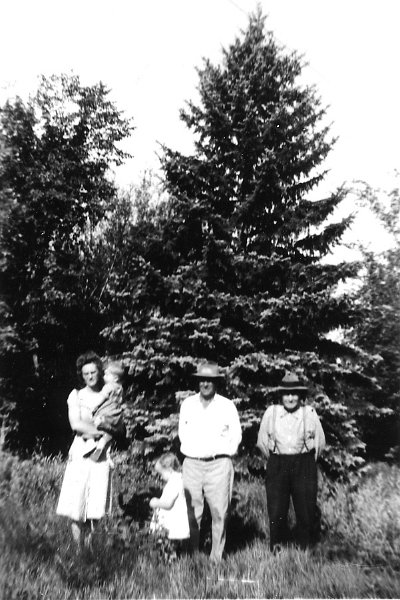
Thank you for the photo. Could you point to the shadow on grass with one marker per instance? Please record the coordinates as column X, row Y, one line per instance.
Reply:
column 242, row 531
column 241, row 534
column 137, row 507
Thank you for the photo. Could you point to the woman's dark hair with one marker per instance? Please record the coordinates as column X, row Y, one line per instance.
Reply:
column 85, row 359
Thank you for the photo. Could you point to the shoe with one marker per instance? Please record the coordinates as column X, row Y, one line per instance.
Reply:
column 96, row 454
column 90, row 446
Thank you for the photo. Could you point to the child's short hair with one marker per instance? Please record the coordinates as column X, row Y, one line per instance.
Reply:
column 169, row 461
column 116, row 367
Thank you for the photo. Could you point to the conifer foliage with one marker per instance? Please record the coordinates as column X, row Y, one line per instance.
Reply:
column 379, row 331
column 58, row 148
column 241, row 279
column 229, row 264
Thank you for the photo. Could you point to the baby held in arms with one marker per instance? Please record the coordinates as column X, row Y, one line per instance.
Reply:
column 107, row 415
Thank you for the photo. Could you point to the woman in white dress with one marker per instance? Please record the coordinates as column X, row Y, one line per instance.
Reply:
column 85, row 495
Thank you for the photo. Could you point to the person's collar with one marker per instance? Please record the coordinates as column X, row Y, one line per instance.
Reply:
column 293, row 412
column 206, row 401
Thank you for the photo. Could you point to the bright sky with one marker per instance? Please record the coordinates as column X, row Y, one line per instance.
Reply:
column 146, row 51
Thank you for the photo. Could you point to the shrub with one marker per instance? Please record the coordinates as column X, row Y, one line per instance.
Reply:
column 362, row 518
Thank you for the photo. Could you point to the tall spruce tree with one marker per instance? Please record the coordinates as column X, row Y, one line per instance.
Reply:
column 239, row 276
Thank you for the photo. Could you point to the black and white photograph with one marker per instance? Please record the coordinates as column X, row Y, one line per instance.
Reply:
column 199, row 299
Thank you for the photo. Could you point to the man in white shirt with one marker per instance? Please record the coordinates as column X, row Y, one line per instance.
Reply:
column 292, row 438
column 210, row 433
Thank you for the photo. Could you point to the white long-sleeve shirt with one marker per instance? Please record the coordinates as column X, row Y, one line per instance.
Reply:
column 283, row 432
column 209, row 428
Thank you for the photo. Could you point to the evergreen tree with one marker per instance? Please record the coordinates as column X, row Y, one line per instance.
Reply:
column 241, row 279
column 379, row 331
column 57, row 151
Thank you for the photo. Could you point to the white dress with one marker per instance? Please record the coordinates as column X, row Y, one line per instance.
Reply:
column 175, row 520
column 86, row 487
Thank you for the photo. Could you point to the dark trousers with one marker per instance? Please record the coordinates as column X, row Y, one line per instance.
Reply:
column 291, row 476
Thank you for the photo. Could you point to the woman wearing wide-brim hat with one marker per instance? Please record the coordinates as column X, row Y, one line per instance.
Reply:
column 292, row 438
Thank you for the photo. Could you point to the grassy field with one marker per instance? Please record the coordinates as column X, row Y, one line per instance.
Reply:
column 358, row 556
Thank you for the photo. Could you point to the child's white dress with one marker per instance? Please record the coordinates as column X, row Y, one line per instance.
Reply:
column 175, row 520
column 86, row 487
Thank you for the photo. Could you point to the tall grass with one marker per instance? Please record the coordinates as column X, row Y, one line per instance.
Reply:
column 359, row 555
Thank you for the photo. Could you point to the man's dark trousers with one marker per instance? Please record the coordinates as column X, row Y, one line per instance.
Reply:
column 291, row 475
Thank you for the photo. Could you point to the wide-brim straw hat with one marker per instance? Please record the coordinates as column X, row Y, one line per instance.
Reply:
column 208, row 371
column 291, row 383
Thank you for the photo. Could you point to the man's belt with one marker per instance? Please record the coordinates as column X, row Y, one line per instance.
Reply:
column 209, row 458
column 275, row 453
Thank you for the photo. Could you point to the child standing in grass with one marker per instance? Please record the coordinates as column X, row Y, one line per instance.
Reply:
column 170, row 510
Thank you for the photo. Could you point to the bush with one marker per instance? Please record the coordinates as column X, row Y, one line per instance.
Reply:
column 362, row 518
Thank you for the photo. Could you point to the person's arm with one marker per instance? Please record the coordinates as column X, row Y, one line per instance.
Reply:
column 263, row 437
column 235, row 430
column 74, row 416
column 167, row 500
column 319, row 439
column 103, row 395
column 110, row 410
column 183, row 426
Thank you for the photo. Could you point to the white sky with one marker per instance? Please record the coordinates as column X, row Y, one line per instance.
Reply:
column 146, row 51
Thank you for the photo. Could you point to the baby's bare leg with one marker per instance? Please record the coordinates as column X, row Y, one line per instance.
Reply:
column 104, row 440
